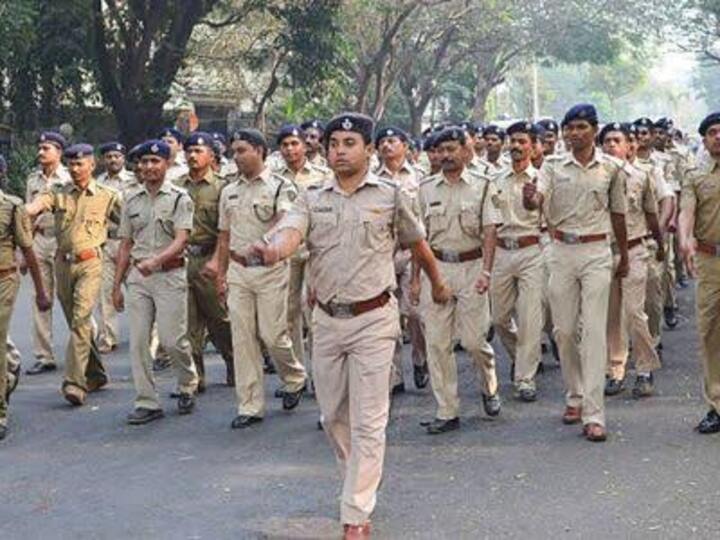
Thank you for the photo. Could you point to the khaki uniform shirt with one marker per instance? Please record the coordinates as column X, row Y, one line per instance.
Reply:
column 701, row 193
column 15, row 229
column 662, row 188
column 580, row 199
column 515, row 218
column 82, row 217
column 308, row 174
column 319, row 160
column 406, row 177
column 682, row 161
column 455, row 214
column 205, row 195
column 641, row 199
column 151, row 222
column 36, row 184
column 176, row 169
column 351, row 236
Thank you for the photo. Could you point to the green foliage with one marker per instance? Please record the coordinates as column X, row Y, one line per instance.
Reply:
column 21, row 161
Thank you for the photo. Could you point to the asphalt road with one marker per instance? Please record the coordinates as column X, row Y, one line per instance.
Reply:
column 83, row 473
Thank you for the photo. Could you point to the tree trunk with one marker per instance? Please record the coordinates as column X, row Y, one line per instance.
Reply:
column 138, row 121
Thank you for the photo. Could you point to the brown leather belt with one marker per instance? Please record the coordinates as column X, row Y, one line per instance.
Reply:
column 635, row 242
column 200, row 250
column 246, row 261
column 8, row 271
column 572, row 238
column 347, row 311
column 449, row 256
column 519, row 242
column 709, row 249
column 80, row 256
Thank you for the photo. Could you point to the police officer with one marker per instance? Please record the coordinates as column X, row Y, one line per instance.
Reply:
column 313, row 130
column 121, row 180
column 15, row 232
column 206, row 314
column 550, row 137
column 700, row 245
column 392, row 144
column 83, row 210
column 350, row 224
column 494, row 142
column 460, row 217
column 257, row 298
column 298, row 169
column 518, row 275
column 178, row 165
column 157, row 219
column 627, row 317
column 50, row 148
column 584, row 200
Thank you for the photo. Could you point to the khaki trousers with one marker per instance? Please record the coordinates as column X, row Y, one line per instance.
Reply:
column 160, row 298
column 8, row 292
column 708, row 321
column 352, row 360
column 668, row 275
column 654, row 300
column 580, row 277
column 516, row 287
column 414, row 326
column 107, row 317
column 44, row 248
column 627, row 318
column 258, row 306
column 545, row 242
column 297, row 312
column 78, row 288
column 469, row 313
column 206, row 314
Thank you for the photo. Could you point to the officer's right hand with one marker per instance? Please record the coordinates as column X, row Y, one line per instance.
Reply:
column 688, row 254
column 42, row 302
column 267, row 252
column 221, row 286
column 118, row 300
column 441, row 293
column 529, row 192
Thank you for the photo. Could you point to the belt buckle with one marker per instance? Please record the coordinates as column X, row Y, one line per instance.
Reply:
column 341, row 311
column 194, row 250
column 571, row 238
column 512, row 243
column 450, row 256
column 254, row 260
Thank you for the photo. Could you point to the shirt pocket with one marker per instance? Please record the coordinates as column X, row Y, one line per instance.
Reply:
column 378, row 231
column 470, row 220
column 324, row 230
column 437, row 219
column 599, row 198
column 94, row 221
column 264, row 208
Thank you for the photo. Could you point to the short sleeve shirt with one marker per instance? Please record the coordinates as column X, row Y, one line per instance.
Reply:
column 15, row 229
column 205, row 194
column 351, row 236
column 308, row 174
column 701, row 194
column 36, row 184
column 454, row 214
column 151, row 222
column 641, row 199
column 579, row 199
column 516, row 219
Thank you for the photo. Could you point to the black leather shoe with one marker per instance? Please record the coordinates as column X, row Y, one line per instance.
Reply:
column 670, row 318
column 161, row 364
column 268, row 366
column 682, row 282
column 491, row 404
column 490, row 335
column 319, row 425
column 96, row 384
column 290, row 400
column 399, row 388
column 279, row 392
column 13, row 381
column 3, row 432
column 555, row 350
column 143, row 416
column 420, row 376
column 512, row 371
column 439, row 426
column 186, row 403
column 527, row 395
column 40, row 367
column 644, row 386
column 709, row 424
column 242, row 421
column 614, row 386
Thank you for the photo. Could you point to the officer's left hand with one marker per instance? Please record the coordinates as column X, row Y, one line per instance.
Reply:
column 210, row 270
column 267, row 252
column 623, row 268
column 482, row 284
column 42, row 302
column 660, row 254
column 148, row 266
column 441, row 293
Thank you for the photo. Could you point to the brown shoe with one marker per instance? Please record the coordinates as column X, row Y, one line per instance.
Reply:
column 94, row 385
column 594, row 432
column 74, row 395
column 572, row 415
column 356, row 532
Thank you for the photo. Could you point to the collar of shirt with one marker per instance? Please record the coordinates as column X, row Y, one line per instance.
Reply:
column 332, row 184
column 306, row 168
column 91, row 187
column 570, row 159
column 530, row 172
column 264, row 176
column 382, row 170
column 165, row 187
column 464, row 177
column 208, row 178
column 711, row 165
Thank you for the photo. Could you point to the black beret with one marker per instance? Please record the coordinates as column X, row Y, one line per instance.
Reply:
column 350, row 121
column 581, row 111
column 289, row 130
column 522, row 127
column 314, row 124
column 452, row 133
column 469, row 126
column 540, row 129
column 79, row 151
column 171, row 132
column 479, row 129
column 429, row 143
column 250, row 135
column 217, row 148
column 612, row 126
column 153, row 147
column 663, row 123
column 132, row 155
column 112, row 146
column 440, row 127
column 630, row 129
column 492, row 129
column 710, row 119
column 53, row 137
column 643, row 122
column 416, row 144
column 198, row 138
column 549, row 125
column 390, row 131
